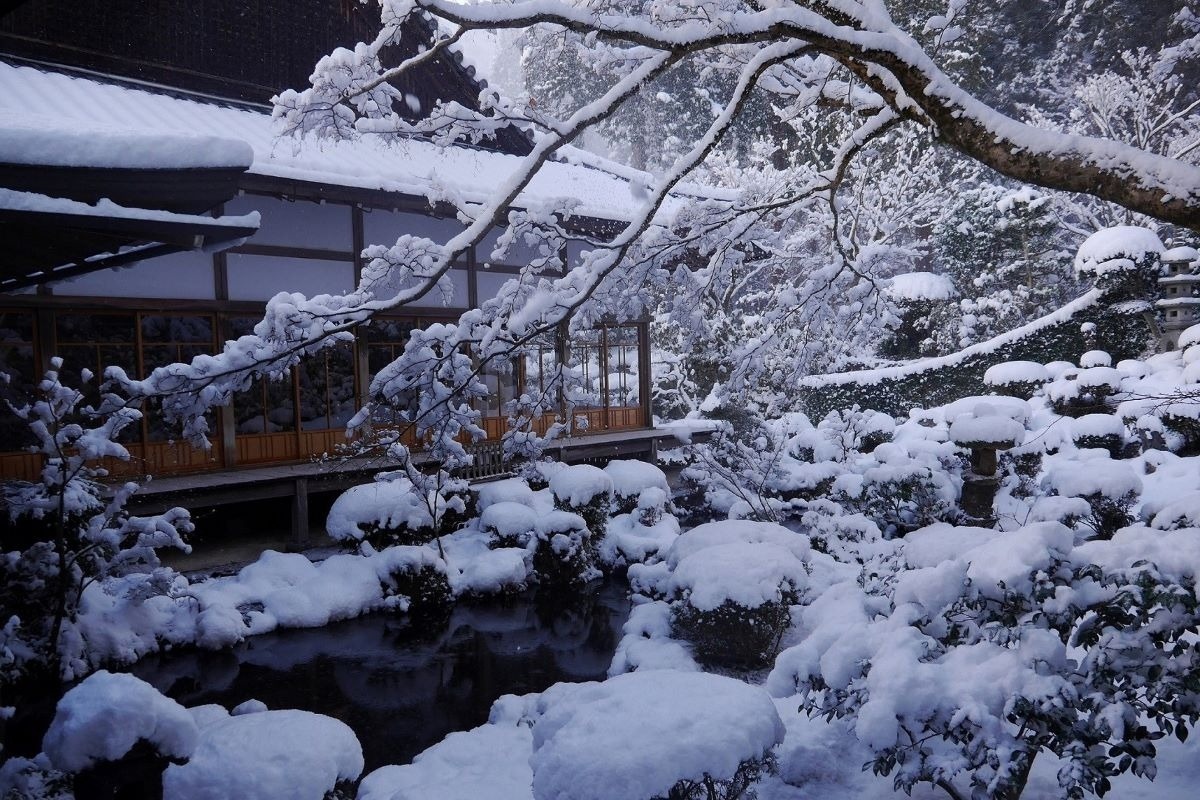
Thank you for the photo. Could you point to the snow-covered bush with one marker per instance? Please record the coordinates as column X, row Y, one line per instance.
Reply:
column 1016, row 378
column 415, row 582
column 630, row 478
column 587, row 491
column 1110, row 489
column 1101, row 431
column 385, row 512
column 1183, row 419
column 266, row 755
column 565, row 554
column 985, row 649
column 1089, row 391
column 900, row 498
column 67, row 531
column 509, row 524
column 641, row 535
column 732, row 585
column 649, row 735
column 856, row 430
column 733, row 601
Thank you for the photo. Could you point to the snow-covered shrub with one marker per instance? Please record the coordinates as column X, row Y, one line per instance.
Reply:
column 35, row 779
column 266, row 756
column 856, row 430
column 1110, row 489
column 731, row 586
column 986, row 649
column 649, row 735
column 67, row 531
column 901, row 498
column 565, row 554
column 641, row 535
column 389, row 511
column 847, row 536
column 630, row 478
column 587, row 491
column 1102, row 431
column 415, row 582
column 1016, row 378
column 1183, row 419
column 105, row 719
column 1088, row 392
column 508, row 524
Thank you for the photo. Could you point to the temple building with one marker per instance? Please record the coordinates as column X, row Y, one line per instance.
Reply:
column 127, row 244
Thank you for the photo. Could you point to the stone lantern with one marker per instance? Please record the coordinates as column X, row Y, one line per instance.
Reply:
column 985, row 433
column 1179, row 294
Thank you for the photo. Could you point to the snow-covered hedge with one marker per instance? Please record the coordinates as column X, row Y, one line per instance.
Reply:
column 1119, row 328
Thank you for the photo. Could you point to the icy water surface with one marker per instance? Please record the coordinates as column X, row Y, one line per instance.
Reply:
column 402, row 692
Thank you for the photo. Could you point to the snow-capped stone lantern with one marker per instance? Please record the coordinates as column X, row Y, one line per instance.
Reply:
column 1179, row 294
column 985, row 433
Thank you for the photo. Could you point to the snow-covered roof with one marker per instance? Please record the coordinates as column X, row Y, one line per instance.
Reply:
column 921, row 286
column 64, row 105
column 32, row 140
column 1181, row 254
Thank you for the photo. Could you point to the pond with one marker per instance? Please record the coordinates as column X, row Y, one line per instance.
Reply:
column 400, row 690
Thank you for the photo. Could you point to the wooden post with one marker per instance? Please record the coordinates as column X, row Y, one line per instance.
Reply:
column 300, row 522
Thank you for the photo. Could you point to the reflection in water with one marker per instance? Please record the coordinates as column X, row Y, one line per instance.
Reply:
column 402, row 692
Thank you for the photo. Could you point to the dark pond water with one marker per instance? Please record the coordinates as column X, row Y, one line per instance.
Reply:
column 402, row 691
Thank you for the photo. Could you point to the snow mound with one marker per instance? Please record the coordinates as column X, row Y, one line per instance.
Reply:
column 579, row 484
column 1095, row 358
column 103, row 717
column 921, row 286
column 1115, row 249
column 713, row 534
column 637, row 735
column 749, row 574
column 270, row 755
column 508, row 519
column 1015, row 372
column 491, row 761
column 388, row 504
column 631, row 477
column 1111, row 479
